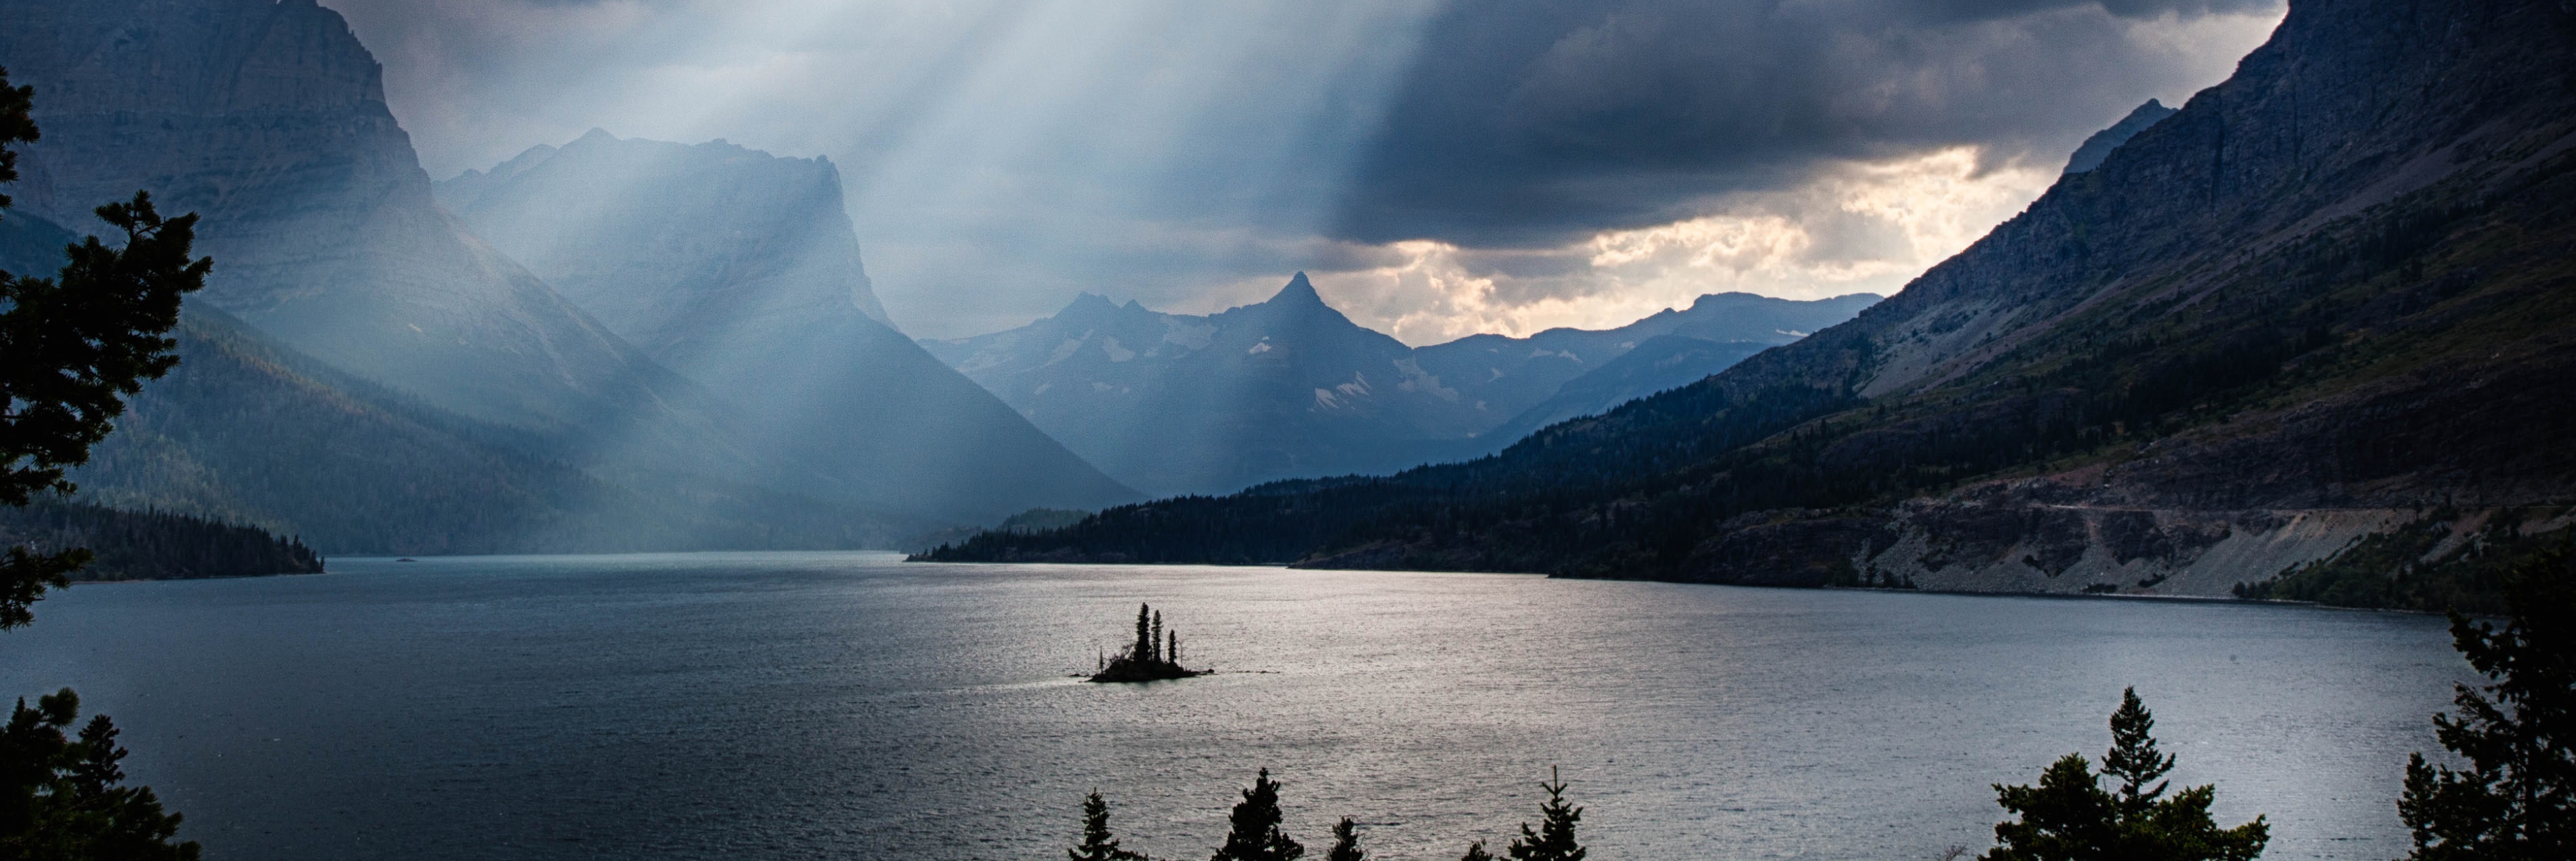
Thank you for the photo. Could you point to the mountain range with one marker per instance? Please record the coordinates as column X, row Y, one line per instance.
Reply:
column 1290, row 387
column 739, row 270
column 2307, row 337
column 365, row 370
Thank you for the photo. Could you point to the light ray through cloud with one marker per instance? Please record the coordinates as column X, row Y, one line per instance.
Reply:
column 1002, row 156
column 1863, row 227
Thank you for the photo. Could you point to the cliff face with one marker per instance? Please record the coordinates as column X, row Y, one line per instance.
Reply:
column 738, row 269
column 674, row 246
column 268, row 118
column 2327, row 305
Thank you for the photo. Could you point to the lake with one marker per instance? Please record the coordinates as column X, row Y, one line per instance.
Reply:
column 849, row 705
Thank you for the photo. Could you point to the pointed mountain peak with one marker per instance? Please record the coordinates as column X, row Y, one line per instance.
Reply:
column 596, row 135
column 2100, row 145
column 1086, row 306
column 1298, row 292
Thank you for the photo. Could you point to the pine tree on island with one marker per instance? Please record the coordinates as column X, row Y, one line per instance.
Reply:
column 1155, row 656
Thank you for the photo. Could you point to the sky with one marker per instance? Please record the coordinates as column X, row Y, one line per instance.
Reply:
column 1439, row 169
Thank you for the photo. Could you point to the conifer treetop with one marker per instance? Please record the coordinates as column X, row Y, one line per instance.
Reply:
column 1255, row 835
column 1553, row 840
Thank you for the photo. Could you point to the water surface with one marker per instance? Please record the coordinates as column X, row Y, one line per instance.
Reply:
column 774, row 706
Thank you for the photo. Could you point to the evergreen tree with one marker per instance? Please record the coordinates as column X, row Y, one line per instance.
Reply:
column 1144, row 633
column 1154, row 642
column 1346, row 842
column 1476, row 852
column 1097, row 843
column 2069, row 816
column 2133, row 757
column 64, row 799
column 1256, row 835
column 17, row 126
column 71, row 348
column 2516, row 799
column 1554, row 838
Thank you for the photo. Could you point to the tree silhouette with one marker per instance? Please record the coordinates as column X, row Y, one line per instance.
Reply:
column 1255, row 835
column 1154, row 656
column 1346, row 842
column 71, row 349
column 64, row 798
column 2516, row 799
column 2068, row 816
column 1144, row 633
column 1476, row 852
column 2133, row 757
column 1097, row 843
column 17, row 126
column 1554, row 838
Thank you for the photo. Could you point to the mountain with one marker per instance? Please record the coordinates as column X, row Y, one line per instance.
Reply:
column 248, row 431
column 2312, row 336
column 739, row 270
column 1526, row 379
column 1289, row 387
column 659, row 240
column 1656, row 364
column 1178, row 404
column 357, row 310
column 268, row 119
column 2101, row 143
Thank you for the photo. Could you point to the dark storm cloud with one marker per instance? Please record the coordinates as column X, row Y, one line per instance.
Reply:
column 1528, row 122
column 1001, row 156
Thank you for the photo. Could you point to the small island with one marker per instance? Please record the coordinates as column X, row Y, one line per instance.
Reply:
column 1154, row 657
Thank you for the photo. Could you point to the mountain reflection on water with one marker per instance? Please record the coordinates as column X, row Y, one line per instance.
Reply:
column 798, row 705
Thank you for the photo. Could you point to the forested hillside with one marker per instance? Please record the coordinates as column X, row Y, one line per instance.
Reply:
column 2328, row 299
column 154, row 545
